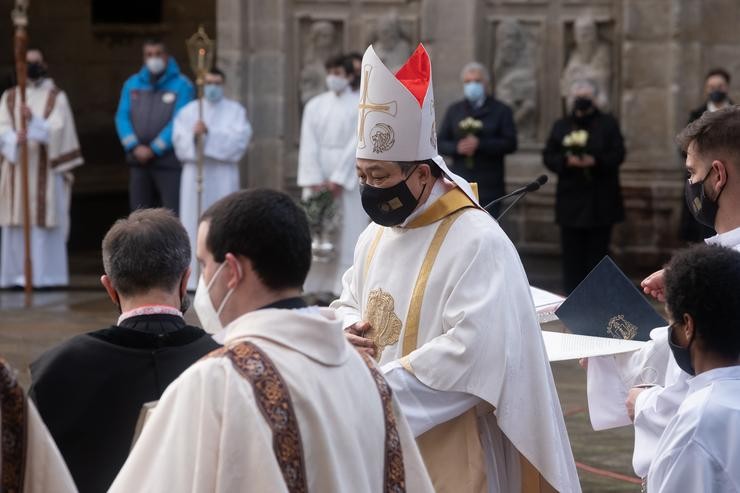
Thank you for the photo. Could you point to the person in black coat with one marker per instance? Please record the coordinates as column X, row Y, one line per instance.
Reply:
column 588, row 199
column 716, row 87
column 89, row 390
column 479, row 158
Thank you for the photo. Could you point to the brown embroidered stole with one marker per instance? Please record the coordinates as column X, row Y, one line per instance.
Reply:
column 13, row 431
column 394, row 479
column 273, row 399
column 42, row 175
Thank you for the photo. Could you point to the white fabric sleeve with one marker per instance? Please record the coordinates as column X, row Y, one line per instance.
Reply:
column 183, row 138
column 609, row 379
column 606, row 394
column 348, row 305
column 690, row 468
column 45, row 467
column 309, row 167
column 654, row 409
column 424, row 407
column 9, row 146
column 345, row 174
column 38, row 130
column 229, row 141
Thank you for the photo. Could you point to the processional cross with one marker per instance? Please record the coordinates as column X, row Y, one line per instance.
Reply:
column 366, row 107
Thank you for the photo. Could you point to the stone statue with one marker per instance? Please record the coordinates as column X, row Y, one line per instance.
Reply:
column 590, row 60
column 322, row 45
column 515, row 71
column 390, row 44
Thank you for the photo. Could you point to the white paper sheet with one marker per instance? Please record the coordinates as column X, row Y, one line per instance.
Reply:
column 562, row 347
column 545, row 303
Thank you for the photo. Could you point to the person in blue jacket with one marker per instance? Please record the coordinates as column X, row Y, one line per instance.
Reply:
column 150, row 99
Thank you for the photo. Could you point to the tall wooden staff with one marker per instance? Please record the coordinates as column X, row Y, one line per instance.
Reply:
column 200, row 52
column 20, row 21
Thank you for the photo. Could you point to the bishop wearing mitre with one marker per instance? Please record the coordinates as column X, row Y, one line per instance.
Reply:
column 438, row 295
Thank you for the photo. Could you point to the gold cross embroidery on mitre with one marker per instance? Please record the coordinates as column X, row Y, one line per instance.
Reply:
column 366, row 107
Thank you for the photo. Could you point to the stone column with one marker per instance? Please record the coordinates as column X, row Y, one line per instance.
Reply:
column 251, row 50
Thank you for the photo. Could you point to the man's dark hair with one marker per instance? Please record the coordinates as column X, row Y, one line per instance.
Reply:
column 342, row 61
column 268, row 228
column 155, row 42
column 149, row 249
column 219, row 72
column 719, row 71
column 715, row 134
column 407, row 167
column 704, row 282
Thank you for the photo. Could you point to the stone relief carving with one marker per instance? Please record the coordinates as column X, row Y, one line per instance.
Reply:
column 321, row 44
column 515, row 73
column 390, row 41
column 590, row 59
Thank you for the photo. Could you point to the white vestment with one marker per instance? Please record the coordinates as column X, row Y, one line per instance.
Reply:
column 53, row 151
column 699, row 449
column 208, row 435
column 478, row 342
column 229, row 133
column 327, row 154
column 27, row 447
column 610, row 378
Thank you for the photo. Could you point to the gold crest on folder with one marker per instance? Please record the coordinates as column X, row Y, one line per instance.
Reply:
column 619, row 328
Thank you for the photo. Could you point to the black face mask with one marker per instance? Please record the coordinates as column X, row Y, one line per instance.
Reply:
column 701, row 206
column 583, row 105
column 35, row 70
column 389, row 206
column 682, row 355
column 717, row 96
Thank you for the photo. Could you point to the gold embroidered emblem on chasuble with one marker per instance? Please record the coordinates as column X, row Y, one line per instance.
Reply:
column 619, row 328
column 386, row 326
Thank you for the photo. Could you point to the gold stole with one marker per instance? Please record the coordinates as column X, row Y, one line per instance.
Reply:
column 452, row 451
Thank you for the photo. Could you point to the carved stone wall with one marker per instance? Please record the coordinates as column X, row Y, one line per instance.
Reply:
column 657, row 51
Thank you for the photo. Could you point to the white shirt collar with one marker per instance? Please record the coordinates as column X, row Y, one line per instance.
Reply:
column 730, row 239
column 708, row 377
column 150, row 310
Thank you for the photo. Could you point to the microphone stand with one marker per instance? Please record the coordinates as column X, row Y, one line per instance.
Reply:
column 512, row 204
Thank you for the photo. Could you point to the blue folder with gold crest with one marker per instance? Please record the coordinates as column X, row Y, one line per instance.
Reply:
column 607, row 304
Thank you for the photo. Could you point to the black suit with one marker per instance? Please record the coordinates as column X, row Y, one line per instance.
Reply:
column 497, row 138
column 588, row 200
column 89, row 390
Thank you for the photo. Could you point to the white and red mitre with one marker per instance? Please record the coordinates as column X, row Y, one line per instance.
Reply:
column 396, row 113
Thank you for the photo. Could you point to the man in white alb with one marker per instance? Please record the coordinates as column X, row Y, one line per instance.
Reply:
column 698, row 449
column 712, row 146
column 326, row 161
column 227, row 133
column 437, row 293
column 287, row 404
column 53, row 152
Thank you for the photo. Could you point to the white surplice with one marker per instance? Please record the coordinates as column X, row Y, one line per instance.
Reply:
column 229, row 134
column 208, row 435
column 53, row 151
column 699, row 449
column 610, row 378
column 327, row 154
column 478, row 344
column 45, row 468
